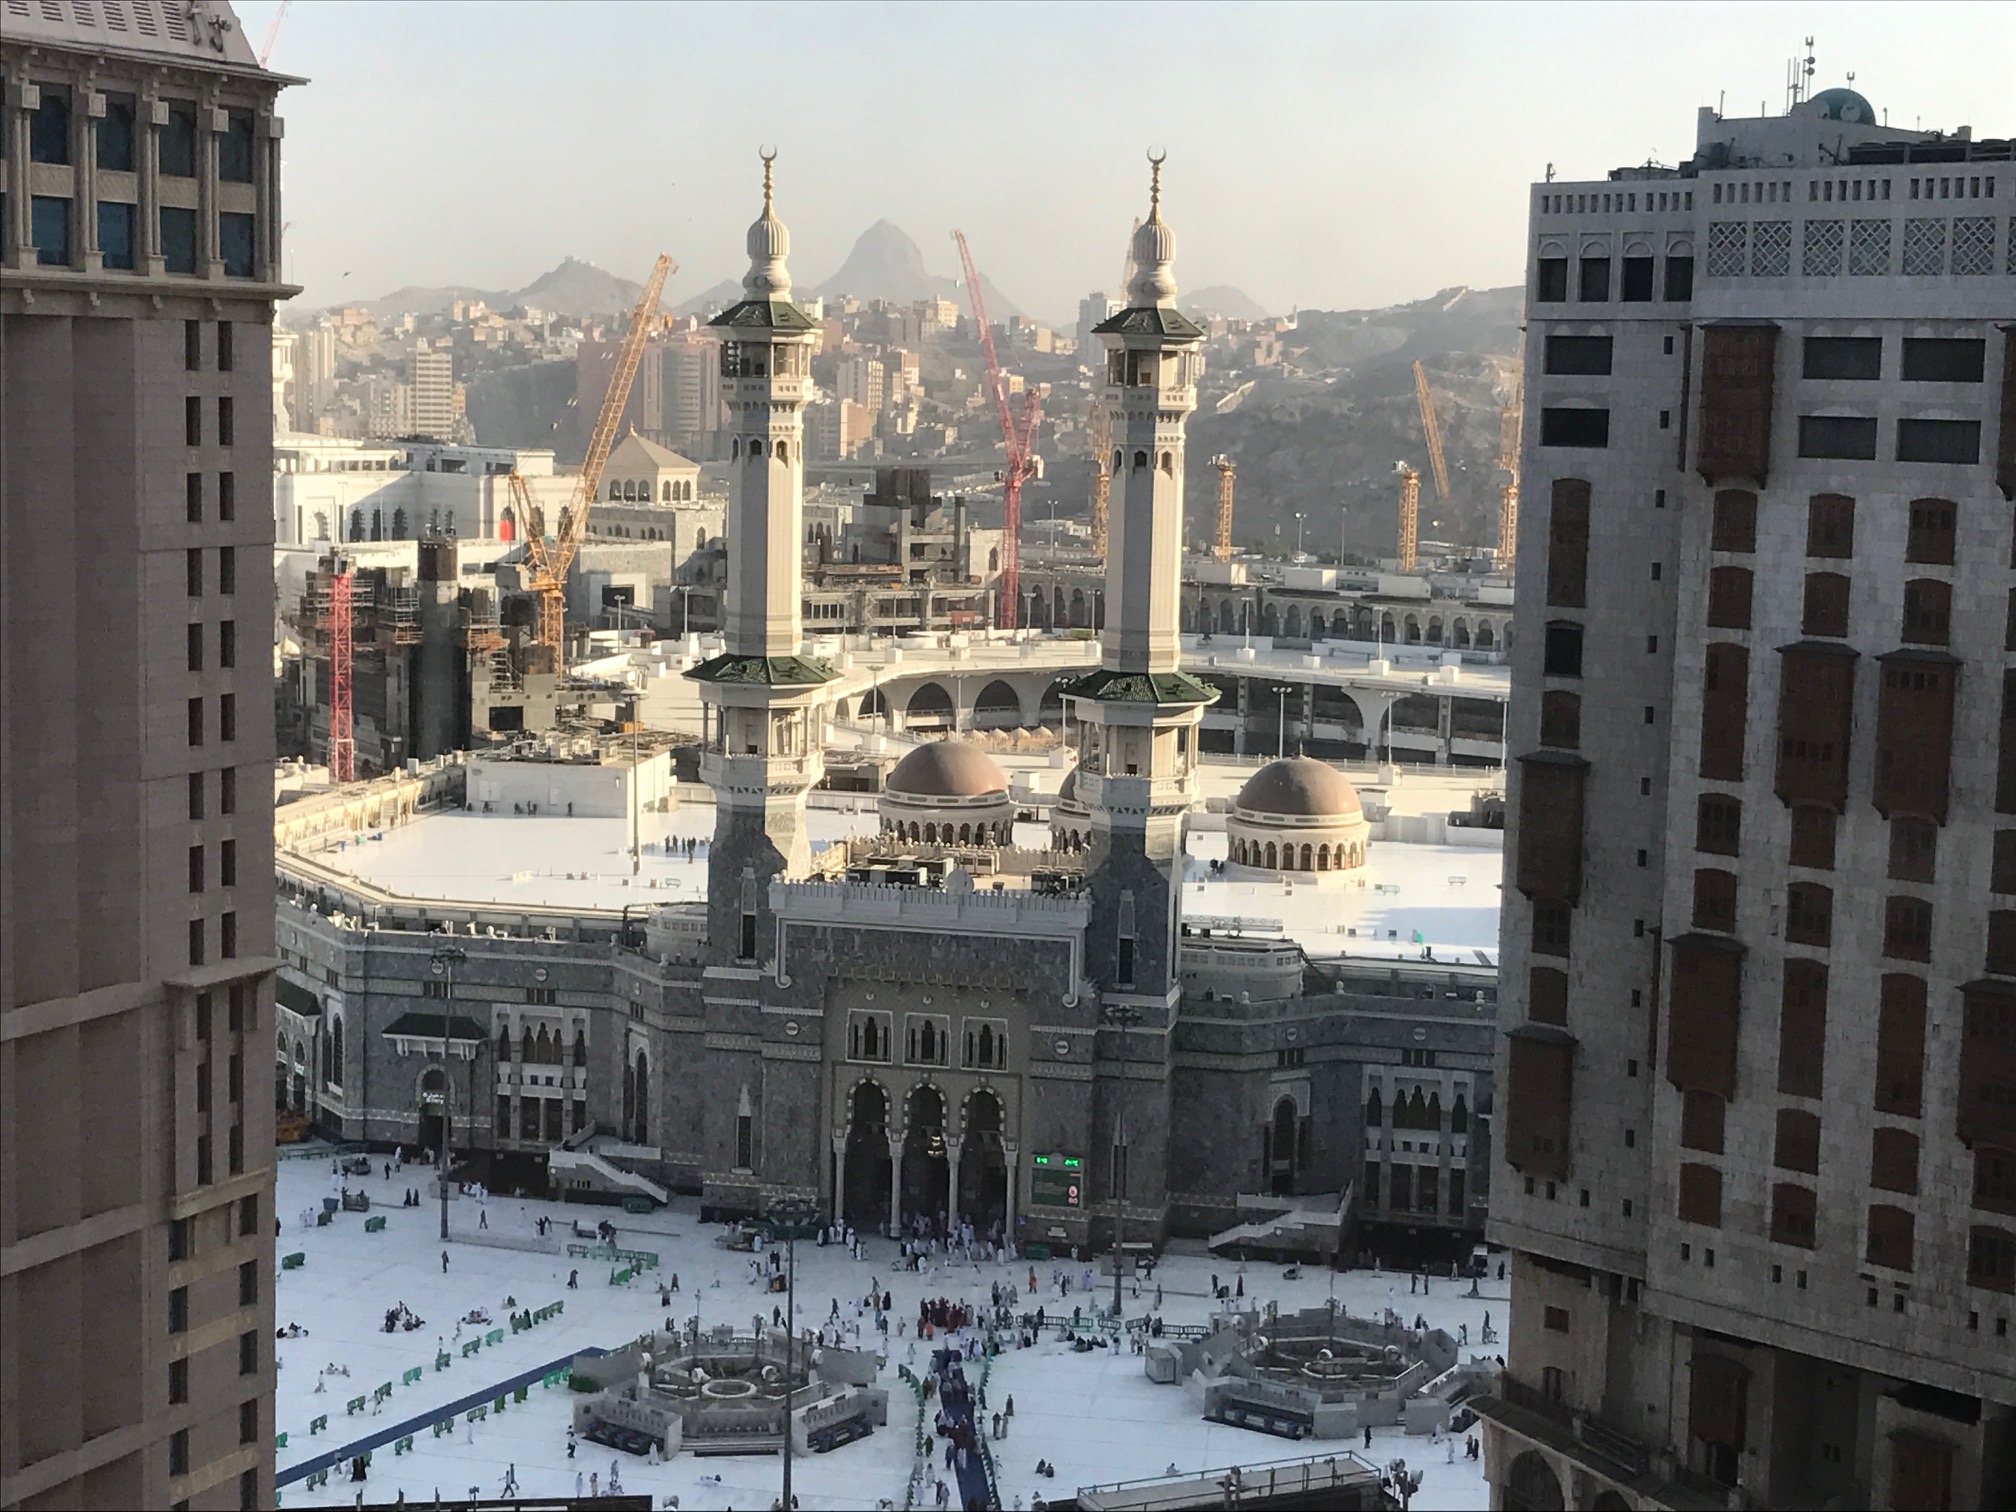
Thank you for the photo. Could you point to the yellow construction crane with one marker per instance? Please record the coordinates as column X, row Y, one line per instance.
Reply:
column 549, row 560
column 1099, row 427
column 1432, row 431
column 1223, row 549
column 1509, row 420
column 1410, row 512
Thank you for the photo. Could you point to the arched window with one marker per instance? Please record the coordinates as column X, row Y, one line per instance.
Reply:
column 986, row 1044
column 503, row 1042
column 1169, row 463
column 1307, row 864
column 642, row 1133
column 735, row 447
column 781, row 451
column 1140, row 460
column 334, row 1072
column 525, row 1047
column 1272, row 865
column 581, row 1047
column 665, row 492
column 356, row 524
column 1459, row 1116
column 755, row 448
column 1374, row 1112
column 615, row 491
column 321, row 524
column 1322, row 858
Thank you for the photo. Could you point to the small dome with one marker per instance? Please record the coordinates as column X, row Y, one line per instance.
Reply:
column 1300, row 786
column 947, row 769
column 1842, row 105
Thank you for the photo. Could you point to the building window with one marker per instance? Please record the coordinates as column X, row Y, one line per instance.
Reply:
column 1579, row 427
column 1952, row 441
column 1560, row 719
column 1850, row 437
column 49, row 219
column 1563, row 656
column 927, row 1039
column 1907, row 925
column 1579, row 355
column 1638, row 282
column 178, row 240
column 1900, row 1046
column 1715, row 900
column 178, row 1310
column 115, row 233
column 234, row 244
column 1680, row 278
column 1844, row 357
column 49, row 126
column 178, row 1382
column 234, row 148
column 1809, row 913
column 1551, row 280
column 115, row 134
column 1942, row 359
column 1593, row 280
column 178, row 1452
column 225, row 349
column 1718, row 824
column 1913, row 849
column 227, row 717
column 248, row 1356
column 248, row 1421
column 177, row 142
column 1825, row 611
column 1735, row 522
column 1729, row 598
column 227, row 644
column 195, row 722
column 868, row 1036
column 986, row 1045
column 226, row 421
column 1830, row 526
column 1551, row 924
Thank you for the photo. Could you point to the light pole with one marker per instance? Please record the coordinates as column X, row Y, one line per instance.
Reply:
column 1281, row 739
column 1298, row 535
column 445, row 959
column 790, row 1214
column 1123, row 1016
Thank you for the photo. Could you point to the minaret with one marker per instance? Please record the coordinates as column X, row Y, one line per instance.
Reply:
column 763, row 748
column 1140, row 711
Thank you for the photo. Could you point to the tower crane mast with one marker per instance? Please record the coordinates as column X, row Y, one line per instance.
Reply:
column 1017, row 439
column 1432, row 431
column 1099, row 430
column 549, row 561
column 1509, row 421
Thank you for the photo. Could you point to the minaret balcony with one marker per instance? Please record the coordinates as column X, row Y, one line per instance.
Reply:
column 750, row 775
column 1138, row 797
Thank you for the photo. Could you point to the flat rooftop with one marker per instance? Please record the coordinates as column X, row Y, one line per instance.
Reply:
column 1447, row 895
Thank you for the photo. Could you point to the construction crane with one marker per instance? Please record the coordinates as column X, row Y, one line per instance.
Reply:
column 1410, row 512
column 1432, row 431
column 1509, row 421
column 1018, row 437
column 549, row 560
column 1099, row 429
column 273, row 32
column 336, row 624
column 1224, row 464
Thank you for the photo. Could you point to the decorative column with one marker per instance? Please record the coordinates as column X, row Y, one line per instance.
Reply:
column 895, row 1185
column 839, row 1209
column 87, row 109
column 955, row 1148
column 1014, row 1181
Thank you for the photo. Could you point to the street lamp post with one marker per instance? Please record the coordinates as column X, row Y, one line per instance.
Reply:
column 445, row 959
column 1298, row 535
column 1281, row 739
column 1123, row 1016
column 790, row 1214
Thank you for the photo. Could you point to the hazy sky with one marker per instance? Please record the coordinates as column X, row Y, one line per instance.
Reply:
column 1327, row 156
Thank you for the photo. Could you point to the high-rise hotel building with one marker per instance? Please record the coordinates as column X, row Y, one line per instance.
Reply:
column 1758, row 1126
column 139, row 266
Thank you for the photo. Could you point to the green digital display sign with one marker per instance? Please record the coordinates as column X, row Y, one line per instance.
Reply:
column 1057, row 1181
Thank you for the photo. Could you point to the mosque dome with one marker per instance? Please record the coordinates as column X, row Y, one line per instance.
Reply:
column 1845, row 105
column 1297, row 815
column 947, row 769
column 947, row 793
column 1299, row 787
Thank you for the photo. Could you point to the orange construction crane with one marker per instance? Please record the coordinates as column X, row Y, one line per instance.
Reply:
column 549, row 560
column 1099, row 430
column 1509, row 421
column 1410, row 512
column 1223, row 549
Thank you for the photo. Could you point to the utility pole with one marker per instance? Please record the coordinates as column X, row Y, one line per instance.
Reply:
column 790, row 1214
column 445, row 959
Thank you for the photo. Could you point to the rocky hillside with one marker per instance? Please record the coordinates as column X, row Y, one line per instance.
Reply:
column 885, row 263
column 573, row 288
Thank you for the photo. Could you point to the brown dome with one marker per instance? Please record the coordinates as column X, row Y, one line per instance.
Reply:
column 947, row 769
column 1301, row 787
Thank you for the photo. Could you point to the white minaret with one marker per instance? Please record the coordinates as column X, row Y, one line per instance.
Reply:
column 764, row 740
column 1140, row 712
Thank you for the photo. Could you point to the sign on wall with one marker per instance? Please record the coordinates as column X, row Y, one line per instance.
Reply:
column 1057, row 1181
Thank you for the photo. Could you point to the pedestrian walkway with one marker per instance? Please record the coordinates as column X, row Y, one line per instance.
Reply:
column 955, row 1399
column 330, row 1459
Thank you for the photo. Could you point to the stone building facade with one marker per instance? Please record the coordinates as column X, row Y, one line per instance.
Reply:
column 1758, row 945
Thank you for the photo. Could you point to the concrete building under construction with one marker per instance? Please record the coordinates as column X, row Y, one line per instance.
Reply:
column 433, row 667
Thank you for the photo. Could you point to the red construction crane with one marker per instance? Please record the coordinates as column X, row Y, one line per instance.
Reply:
column 1017, row 440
